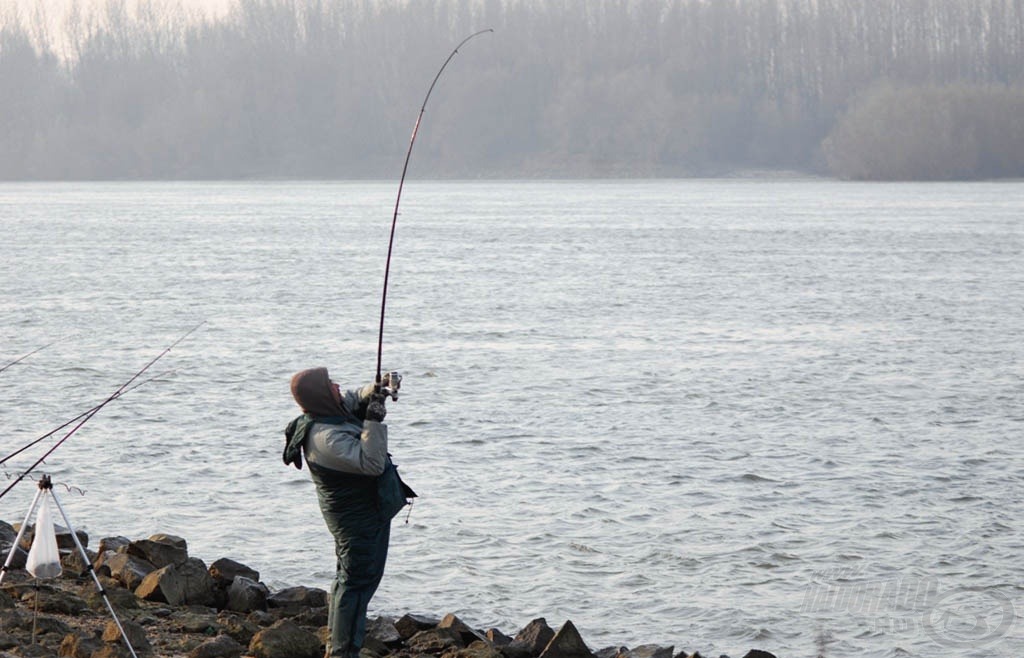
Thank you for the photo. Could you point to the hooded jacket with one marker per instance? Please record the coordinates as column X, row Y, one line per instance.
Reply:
column 333, row 435
column 346, row 453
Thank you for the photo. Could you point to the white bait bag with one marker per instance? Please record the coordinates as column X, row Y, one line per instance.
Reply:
column 43, row 557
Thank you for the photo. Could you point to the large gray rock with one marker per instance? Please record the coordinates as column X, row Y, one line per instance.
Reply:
column 160, row 550
column 225, row 570
column 383, row 630
column 567, row 643
column 757, row 653
column 535, row 635
column 127, row 569
column 7, row 534
column 296, row 598
column 285, row 640
column 245, row 595
column 113, row 544
column 74, row 564
column 178, row 584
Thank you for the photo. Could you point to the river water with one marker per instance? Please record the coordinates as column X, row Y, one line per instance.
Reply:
column 717, row 414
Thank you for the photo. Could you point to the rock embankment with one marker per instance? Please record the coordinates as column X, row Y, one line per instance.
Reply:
column 172, row 605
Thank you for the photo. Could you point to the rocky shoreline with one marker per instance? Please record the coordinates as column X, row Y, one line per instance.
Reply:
column 172, row 605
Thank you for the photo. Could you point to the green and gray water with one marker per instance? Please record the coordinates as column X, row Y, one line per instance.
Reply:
column 718, row 414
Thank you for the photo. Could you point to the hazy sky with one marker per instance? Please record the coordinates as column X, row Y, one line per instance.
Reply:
column 210, row 6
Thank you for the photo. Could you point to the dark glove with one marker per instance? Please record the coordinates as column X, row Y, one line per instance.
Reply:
column 375, row 410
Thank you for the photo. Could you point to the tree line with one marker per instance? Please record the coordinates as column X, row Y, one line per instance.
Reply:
column 330, row 88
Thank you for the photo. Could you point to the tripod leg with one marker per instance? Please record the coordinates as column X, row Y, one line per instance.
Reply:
column 92, row 572
column 21, row 534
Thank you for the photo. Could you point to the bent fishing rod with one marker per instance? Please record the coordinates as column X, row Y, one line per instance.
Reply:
column 89, row 414
column 398, row 199
column 80, row 416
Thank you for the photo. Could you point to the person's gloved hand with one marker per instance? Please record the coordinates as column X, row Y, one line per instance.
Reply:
column 375, row 410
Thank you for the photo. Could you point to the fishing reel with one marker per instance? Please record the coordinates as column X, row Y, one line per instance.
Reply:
column 389, row 384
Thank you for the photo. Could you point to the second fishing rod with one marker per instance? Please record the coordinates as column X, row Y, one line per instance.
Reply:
column 389, row 384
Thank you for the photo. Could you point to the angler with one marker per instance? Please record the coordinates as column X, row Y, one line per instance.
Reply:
column 345, row 442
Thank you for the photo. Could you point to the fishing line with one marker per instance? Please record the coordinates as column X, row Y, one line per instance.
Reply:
column 398, row 199
column 89, row 414
column 81, row 415
column 69, row 487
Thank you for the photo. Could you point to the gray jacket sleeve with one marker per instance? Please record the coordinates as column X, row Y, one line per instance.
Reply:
column 355, row 400
column 340, row 448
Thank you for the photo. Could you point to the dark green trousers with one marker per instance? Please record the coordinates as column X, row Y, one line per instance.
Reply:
column 361, row 536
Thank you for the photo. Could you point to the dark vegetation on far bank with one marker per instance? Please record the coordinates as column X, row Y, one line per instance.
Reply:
column 172, row 605
column 909, row 89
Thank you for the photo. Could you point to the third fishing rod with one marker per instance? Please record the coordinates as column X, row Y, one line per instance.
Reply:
column 398, row 198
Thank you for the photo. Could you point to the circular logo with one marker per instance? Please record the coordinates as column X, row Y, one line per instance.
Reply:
column 964, row 618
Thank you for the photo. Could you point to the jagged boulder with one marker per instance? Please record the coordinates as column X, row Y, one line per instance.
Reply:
column 222, row 646
column 74, row 565
column 296, row 598
column 567, row 643
column 178, row 584
column 757, row 653
column 246, row 595
column 410, row 624
column 497, row 638
column 127, row 569
column 466, row 634
column 160, row 550
column 536, row 635
column 285, row 640
column 225, row 570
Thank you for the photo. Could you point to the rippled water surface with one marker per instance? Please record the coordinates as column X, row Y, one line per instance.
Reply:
column 714, row 414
